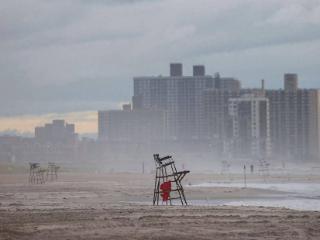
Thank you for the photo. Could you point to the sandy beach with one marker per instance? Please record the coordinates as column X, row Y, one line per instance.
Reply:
column 118, row 206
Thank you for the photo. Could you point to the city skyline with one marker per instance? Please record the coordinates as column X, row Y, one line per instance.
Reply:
column 212, row 117
column 63, row 56
column 85, row 121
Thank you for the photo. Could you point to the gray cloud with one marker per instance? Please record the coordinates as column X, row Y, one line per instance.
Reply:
column 86, row 52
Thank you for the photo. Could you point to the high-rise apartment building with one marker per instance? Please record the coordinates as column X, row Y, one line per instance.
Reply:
column 250, row 126
column 180, row 96
column 295, row 121
column 215, row 113
column 216, row 121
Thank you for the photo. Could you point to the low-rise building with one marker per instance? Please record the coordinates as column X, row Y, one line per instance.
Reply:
column 127, row 125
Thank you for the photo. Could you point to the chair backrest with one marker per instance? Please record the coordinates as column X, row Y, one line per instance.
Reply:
column 166, row 159
column 157, row 160
column 34, row 165
column 162, row 161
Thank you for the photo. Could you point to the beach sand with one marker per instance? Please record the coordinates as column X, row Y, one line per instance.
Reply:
column 118, row 206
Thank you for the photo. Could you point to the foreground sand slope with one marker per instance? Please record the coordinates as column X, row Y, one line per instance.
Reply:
column 134, row 222
column 86, row 206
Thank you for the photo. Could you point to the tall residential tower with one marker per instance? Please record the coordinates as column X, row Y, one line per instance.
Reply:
column 295, row 121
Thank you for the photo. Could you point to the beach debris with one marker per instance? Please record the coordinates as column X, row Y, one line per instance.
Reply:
column 168, row 184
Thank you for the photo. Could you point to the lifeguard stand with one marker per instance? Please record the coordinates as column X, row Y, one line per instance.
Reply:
column 168, row 181
column 264, row 168
column 52, row 172
column 36, row 174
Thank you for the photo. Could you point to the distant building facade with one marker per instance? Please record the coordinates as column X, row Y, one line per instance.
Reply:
column 181, row 97
column 56, row 132
column 216, row 113
column 127, row 125
column 216, row 121
column 295, row 121
column 54, row 142
column 227, row 84
column 250, row 126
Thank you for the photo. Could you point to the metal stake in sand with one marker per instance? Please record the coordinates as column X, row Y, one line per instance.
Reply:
column 143, row 167
column 245, row 176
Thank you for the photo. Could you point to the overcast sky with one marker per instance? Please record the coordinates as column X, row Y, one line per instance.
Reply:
column 74, row 55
